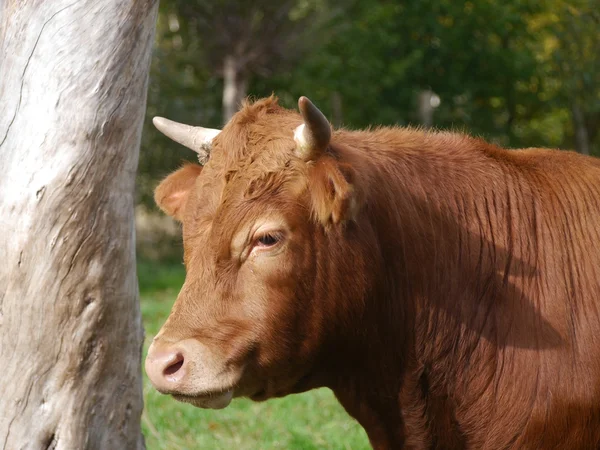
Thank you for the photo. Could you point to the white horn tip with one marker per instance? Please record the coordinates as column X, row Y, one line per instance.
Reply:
column 159, row 121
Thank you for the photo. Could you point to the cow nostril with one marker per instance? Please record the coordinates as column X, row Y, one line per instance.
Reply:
column 174, row 366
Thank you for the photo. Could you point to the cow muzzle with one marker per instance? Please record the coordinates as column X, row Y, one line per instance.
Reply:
column 191, row 373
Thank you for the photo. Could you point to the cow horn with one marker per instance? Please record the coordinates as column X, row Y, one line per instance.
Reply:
column 313, row 136
column 197, row 139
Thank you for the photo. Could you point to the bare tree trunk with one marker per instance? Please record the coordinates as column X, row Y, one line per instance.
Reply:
column 582, row 139
column 235, row 87
column 426, row 108
column 337, row 115
column 73, row 90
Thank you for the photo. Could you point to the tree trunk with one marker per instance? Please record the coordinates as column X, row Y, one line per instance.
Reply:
column 426, row 107
column 337, row 116
column 73, row 90
column 582, row 139
column 235, row 87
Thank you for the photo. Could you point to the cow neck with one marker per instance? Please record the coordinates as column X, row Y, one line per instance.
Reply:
column 428, row 218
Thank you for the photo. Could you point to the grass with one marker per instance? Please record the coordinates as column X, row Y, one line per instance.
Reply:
column 313, row 420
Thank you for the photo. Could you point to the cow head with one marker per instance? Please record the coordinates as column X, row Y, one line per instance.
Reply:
column 264, row 221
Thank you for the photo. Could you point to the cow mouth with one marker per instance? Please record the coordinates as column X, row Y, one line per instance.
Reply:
column 217, row 400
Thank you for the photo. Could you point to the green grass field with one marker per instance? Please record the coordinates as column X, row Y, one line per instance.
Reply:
column 313, row 420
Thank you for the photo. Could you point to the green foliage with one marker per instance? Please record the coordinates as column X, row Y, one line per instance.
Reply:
column 313, row 420
column 511, row 71
column 572, row 61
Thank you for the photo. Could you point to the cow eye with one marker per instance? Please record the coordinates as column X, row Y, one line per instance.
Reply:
column 268, row 240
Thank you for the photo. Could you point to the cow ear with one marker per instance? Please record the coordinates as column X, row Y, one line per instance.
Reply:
column 172, row 193
column 333, row 194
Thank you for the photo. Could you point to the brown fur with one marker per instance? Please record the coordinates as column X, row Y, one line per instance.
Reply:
column 445, row 289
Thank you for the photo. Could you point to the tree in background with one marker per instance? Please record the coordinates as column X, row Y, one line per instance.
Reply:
column 574, row 42
column 73, row 89
column 207, row 55
column 474, row 56
column 240, row 39
column 521, row 73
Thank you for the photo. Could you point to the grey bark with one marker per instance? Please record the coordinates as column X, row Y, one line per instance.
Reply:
column 235, row 87
column 72, row 102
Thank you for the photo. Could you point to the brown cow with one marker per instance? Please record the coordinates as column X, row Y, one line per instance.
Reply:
column 445, row 289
